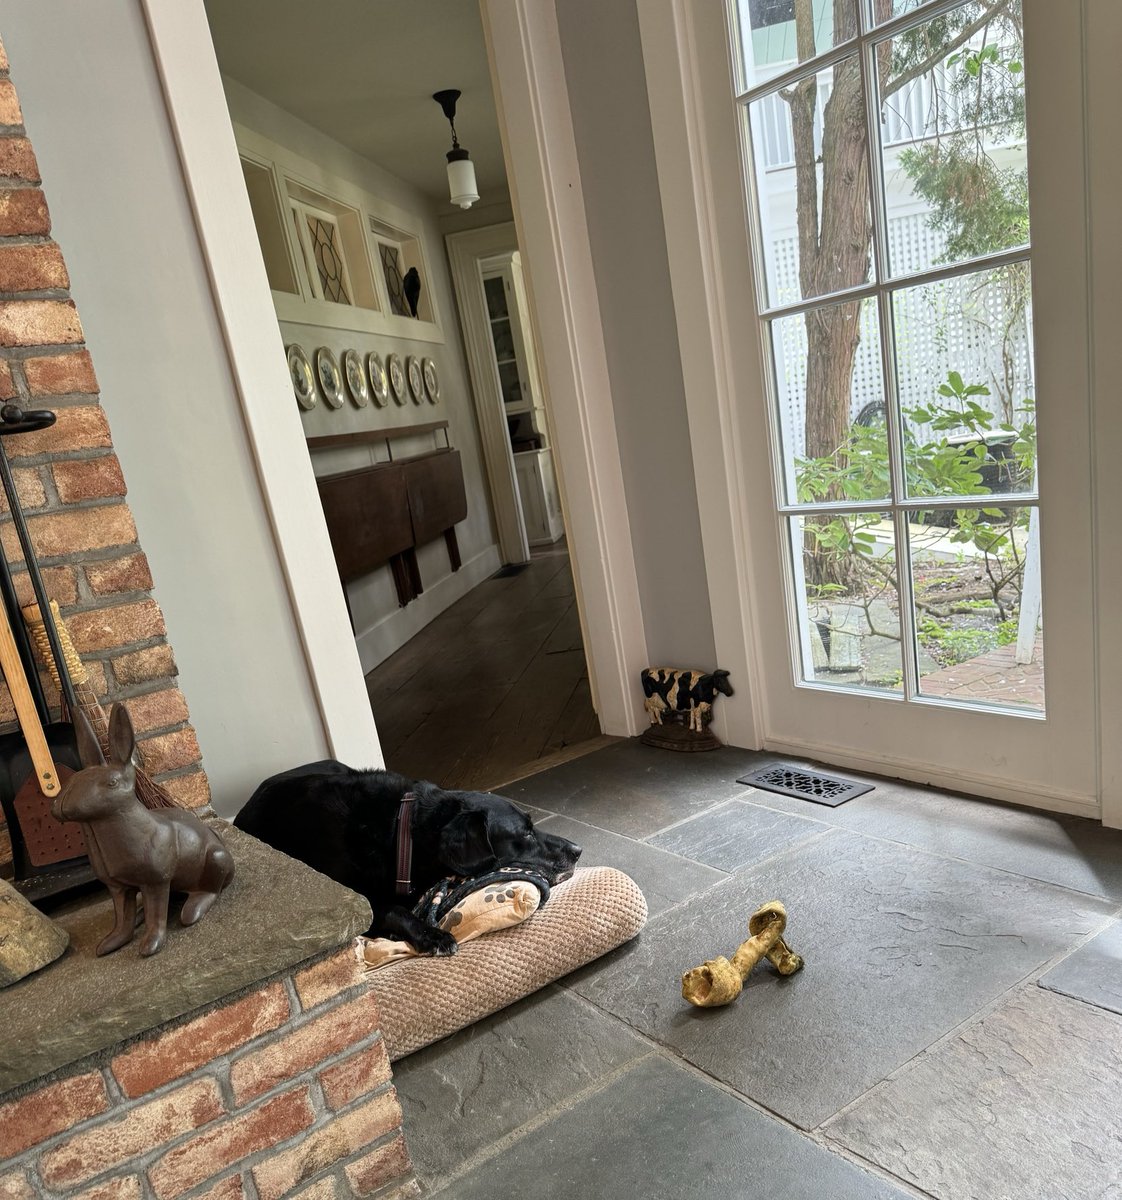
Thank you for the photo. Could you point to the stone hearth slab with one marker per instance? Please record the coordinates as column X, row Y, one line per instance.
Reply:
column 634, row 789
column 736, row 834
column 476, row 1087
column 659, row 1130
column 900, row 947
column 275, row 914
column 1073, row 852
column 664, row 879
column 1093, row 973
column 1023, row 1103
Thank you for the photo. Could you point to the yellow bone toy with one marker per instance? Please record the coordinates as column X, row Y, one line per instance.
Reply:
column 719, row 981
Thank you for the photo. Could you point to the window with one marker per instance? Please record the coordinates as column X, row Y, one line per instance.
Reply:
column 331, row 248
column 399, row 252
column 318, row 235
column 888, row 178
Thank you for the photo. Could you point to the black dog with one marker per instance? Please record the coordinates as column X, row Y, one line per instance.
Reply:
column 343, row 823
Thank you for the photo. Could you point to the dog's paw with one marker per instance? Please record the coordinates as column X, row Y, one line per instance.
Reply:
column 437, row 943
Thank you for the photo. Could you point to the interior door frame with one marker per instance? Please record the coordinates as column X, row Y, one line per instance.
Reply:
column 529, row 80
column 465, row 252
column 689, row 80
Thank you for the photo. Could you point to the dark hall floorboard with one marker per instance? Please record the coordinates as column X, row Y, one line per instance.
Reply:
column 495, row 684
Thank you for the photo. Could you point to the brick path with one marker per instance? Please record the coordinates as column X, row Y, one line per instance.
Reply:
column 994, row 677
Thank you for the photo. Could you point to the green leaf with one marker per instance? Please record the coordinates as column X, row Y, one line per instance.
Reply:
column 955, row 380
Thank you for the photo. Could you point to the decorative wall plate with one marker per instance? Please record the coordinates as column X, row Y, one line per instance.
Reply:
column 329, row 376
column 432, row 380
column 355, row 375
column 397, row 377
column 379, row 384
column 303, row 377
column 416, row 378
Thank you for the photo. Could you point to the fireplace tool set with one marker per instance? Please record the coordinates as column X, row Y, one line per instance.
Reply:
column 49, row 856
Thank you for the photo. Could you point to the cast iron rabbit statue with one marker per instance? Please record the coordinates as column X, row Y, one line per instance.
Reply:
column 133, row 848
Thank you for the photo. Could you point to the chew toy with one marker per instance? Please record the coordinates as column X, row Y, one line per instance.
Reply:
column 719, row 981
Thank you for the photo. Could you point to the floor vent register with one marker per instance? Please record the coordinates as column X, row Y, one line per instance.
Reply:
column 790, row 780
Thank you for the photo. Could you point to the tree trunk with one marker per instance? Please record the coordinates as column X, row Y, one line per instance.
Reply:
column 834, row 247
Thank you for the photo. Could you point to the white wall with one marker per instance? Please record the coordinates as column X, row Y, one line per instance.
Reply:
column 612, row 126
column 96, row 115
column 380, row 625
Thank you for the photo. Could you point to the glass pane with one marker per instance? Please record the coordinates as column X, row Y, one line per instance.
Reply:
column 395, row 283
column 509, row 383
column 976, row 574
column 775, row 34
column 885, row 10
column 831, row 403
column 496, row 297
column 965, row 377
column 329, row 259
column 812, row 183
column 847, row 600
column 952, row 124
column 503, row 337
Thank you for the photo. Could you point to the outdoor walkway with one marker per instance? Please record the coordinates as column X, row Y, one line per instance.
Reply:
column 993, row 677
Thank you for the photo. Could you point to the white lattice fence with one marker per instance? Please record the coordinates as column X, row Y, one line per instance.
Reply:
column 957, row 325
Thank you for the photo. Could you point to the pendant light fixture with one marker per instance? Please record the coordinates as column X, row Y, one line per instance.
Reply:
column 461, row 170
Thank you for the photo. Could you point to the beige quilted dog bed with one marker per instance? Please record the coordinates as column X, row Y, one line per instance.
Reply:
column 424, row 999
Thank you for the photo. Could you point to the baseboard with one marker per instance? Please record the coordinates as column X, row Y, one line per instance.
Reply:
column 975, row 783
column 377, row 642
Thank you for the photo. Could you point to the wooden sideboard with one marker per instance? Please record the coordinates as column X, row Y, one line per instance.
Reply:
column 381, row 513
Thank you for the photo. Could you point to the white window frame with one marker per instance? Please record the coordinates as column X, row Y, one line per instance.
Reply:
column 881, row 288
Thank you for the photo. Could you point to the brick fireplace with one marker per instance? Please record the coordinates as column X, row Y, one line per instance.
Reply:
column 71, row 486
column 243, row 1062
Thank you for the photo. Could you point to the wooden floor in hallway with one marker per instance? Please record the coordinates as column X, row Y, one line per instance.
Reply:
column 494, row 687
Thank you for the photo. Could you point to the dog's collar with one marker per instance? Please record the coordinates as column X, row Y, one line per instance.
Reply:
column 405, row 845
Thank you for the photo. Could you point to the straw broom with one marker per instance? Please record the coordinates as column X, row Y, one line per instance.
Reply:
column 148, row 791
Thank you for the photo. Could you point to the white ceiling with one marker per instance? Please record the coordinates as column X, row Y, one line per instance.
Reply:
column 363, row 71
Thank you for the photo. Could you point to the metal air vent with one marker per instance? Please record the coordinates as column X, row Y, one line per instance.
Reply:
column 790, row 780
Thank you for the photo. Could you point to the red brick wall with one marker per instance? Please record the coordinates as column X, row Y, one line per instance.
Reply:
column 70, row 481
column 283, row 1092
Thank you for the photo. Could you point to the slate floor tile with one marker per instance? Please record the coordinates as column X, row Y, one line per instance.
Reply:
column 1093, row 973
column 900, row 947
column 663, row 878
column 1027, row 1103
column 634, row 789
column 1073, row 852
column 471, row 1089
column 659, row 1131
column 736, row 834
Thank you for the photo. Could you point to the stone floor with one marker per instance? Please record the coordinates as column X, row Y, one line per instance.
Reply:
column 955, row 1034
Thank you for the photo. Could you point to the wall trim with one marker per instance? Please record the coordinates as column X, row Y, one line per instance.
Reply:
column 978, row 783
column 196, row 106
column 532, row 101
column 389, row 633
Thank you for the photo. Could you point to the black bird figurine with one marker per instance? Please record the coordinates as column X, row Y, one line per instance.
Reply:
column 411, row 285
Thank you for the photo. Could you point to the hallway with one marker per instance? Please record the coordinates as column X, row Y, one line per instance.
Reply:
column 494, row 688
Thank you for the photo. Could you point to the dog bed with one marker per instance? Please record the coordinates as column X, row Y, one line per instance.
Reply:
column 424, row 999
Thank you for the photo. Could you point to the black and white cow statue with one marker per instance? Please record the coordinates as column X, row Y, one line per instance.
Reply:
column 670, row 690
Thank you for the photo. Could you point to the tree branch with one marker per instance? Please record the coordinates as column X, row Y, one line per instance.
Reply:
column 933, row 60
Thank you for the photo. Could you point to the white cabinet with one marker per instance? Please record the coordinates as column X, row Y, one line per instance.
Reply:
column 541, row 506
column 521, row 392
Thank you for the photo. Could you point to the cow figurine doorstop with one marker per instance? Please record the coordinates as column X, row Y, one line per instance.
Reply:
column 680, row 705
